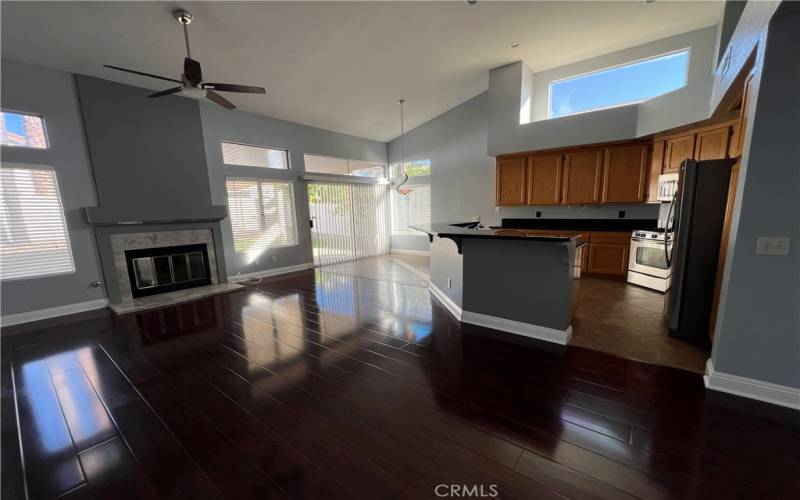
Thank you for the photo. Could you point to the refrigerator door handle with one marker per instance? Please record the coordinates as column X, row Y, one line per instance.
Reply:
column 667, row 230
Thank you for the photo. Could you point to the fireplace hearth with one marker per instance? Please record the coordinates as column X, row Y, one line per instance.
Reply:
column 167, row 269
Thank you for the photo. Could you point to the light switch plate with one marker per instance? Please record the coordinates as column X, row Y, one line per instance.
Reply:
column 772, row 245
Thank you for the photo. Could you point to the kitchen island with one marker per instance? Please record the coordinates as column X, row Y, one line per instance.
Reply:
column 506, row 280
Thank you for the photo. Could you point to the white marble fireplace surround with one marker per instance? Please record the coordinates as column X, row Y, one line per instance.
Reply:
column 121, row 242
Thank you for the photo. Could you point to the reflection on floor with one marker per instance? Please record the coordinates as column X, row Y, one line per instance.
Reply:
column 626, row 320
column 407, row 269
column 321, row 384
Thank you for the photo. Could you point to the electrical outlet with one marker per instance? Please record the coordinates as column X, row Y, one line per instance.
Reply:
column 449, row 283
column 772, row 245
column 476, row 218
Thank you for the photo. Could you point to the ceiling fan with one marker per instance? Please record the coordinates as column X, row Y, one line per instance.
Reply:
column 191, row 82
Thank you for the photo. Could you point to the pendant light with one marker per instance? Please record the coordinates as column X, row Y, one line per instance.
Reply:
column 405, row 191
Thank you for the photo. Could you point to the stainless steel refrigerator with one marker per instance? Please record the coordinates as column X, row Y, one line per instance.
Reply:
column 698, row 216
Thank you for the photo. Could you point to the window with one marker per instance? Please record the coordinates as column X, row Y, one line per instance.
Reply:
column 411, row 209
column 318, row 164
column 416, row 168
column 254, row 156
column 620, row 85
column 262, row 214
column 22, row 130
column 33, row 233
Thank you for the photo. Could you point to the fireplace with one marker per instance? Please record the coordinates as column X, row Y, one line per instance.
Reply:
column 166, row 269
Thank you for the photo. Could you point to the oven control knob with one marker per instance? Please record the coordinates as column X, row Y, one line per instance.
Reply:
column 654, row 236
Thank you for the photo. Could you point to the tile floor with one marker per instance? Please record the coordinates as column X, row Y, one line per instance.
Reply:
column 625, row 320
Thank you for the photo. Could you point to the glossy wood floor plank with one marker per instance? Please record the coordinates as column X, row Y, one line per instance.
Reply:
column 328, row 385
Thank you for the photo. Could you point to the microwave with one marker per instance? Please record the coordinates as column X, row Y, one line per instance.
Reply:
column 667, row 186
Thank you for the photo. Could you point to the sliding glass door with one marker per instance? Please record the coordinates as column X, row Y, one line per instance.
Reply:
column 349, row 220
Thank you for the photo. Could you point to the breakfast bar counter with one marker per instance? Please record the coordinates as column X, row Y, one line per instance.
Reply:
column 520, row 283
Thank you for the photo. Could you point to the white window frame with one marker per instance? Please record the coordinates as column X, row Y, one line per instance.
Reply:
column 688, row 51
column 417, row 180
column 260, row 146
column 261, row 180
column 68, row 239
column 386, row 168
column 44, row 130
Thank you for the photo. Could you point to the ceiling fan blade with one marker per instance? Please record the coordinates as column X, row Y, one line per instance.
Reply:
column 230, row 87
column 166, row 92
column 191, row 69
column 142, row 74
column 213, row 96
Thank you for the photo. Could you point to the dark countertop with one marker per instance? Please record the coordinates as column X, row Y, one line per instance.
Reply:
column 465, row 230
column 624, row 225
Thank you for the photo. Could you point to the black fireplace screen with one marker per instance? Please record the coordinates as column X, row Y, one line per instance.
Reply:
column 166, row 269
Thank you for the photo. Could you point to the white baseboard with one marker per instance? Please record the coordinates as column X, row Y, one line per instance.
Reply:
column 446, row 301
column 506, row 325
column 519, row 328
column 52, row 312
column 409, row 252
column 751, row 388
column 270, row 272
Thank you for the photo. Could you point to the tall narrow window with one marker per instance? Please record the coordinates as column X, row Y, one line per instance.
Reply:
column 620, row 85
column 254, row 156
column 33, row 232
column 262, row 214
column 412, row 209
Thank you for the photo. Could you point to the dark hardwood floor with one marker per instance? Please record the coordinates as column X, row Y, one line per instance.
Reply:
column 327, row 385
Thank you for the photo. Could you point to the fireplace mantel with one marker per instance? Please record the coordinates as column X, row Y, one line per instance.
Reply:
column 101, row 216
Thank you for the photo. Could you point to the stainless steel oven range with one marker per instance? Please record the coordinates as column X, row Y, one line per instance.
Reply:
column 647, row 264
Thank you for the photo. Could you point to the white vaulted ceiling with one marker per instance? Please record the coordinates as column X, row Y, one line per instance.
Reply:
column 337, row 65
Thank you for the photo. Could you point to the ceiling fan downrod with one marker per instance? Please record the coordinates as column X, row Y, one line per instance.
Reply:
column 185, row 18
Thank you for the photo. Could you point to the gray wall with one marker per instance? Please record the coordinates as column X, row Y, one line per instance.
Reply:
column 758, row 327
column 447, row 264
column 147, row 154
column 463, row 175
column 222, row 125
column 526, row 281
column 508, row 92
column 52, row 95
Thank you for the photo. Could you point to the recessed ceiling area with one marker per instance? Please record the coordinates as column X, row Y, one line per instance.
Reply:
column 339, row 66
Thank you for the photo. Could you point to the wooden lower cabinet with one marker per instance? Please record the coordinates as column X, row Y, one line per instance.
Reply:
column 608, row 259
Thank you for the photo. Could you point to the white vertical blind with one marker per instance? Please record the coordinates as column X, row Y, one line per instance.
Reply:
column 262, row 214
column 350, row 221
column 411, row 209
column 33, row 233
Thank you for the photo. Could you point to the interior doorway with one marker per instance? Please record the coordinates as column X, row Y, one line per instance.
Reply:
column 349, row 220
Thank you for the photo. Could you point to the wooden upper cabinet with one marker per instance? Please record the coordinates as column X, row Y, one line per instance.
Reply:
column 712, row 144
column 583, row 171
column 741, row 128
column 678, row 149
column 625, row 174
column 544, row 180
column 511, row 181
column 656, row 166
